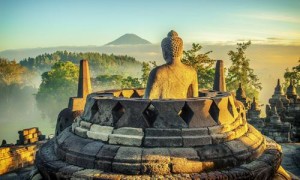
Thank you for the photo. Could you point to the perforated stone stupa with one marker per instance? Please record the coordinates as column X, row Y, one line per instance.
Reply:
column 122, row 135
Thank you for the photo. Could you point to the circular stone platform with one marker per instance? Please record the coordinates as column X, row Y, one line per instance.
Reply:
column 122, row 136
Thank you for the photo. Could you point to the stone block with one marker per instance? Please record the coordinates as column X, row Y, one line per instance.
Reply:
column 85, row 125
column 215, row 130
column 129, row 140
column 162, row 132
column 97, row 136
column 105, row 156
column 81, row 132
column 236, row 146
column 71, row 158
column 187, row 153
column 174, row 141
column 129, row 155
column 129, row 131
column 184, row 166
column 194, row 131
column 102, row 129
column 126, row 168
column 156, row 155
column 87, row 173
column 155, row 161
column 85, row 161
column 259, row 169
column 213, row 152
column 67, row 171
column 189, row 141
column 75, row 143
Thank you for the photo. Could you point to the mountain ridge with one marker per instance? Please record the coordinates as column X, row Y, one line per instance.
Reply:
column 128, row 39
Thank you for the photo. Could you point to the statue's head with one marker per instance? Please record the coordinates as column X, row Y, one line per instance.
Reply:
column 172, row 46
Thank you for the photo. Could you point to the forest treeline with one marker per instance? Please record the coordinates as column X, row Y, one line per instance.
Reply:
column 99, row 63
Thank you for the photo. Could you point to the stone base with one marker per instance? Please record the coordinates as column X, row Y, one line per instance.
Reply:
column 121, row 162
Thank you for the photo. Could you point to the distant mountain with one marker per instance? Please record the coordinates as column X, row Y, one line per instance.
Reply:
column 129, row 39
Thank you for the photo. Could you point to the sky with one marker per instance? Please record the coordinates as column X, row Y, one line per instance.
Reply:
column 48, row 23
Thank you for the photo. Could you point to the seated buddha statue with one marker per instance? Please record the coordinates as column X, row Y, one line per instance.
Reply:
column 173, row 80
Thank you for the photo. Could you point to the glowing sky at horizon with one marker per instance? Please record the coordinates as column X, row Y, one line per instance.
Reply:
column 30, row 23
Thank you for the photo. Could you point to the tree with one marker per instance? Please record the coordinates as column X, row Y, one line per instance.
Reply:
column 146, row 68
column 57, row 86
column 293, row 75
column 131, row 82
column 16, row 91
column 241, row 72
column 12, row 73
column 202, row 64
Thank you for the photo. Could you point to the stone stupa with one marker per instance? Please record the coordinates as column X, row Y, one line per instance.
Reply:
column 122, row 135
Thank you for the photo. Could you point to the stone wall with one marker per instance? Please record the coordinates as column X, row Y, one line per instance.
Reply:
column 15, row 157
column 30, row 136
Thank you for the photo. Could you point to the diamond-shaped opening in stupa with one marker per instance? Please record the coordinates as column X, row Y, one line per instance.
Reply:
column 118, row 111
column 229, row 107
column 214, row 112
column 150, row 113
column 186, row 113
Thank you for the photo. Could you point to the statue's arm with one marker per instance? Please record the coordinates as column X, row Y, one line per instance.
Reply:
column 152, row 87
column 195, row 85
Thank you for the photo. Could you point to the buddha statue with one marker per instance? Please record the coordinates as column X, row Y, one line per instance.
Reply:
column 173, row 80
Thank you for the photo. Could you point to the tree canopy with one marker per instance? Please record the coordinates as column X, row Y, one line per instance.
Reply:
column 57, row 86
column 241, row 72
column 294, row 75
column 202, row 64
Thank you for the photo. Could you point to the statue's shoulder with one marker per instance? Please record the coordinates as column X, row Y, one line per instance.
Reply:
column 190, row 69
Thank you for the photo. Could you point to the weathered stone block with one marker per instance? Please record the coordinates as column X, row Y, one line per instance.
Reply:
column 188, row 153
column 156, row 155
column 129, row 140
column 97, row 136
column 174, row 141
column 87, row 173
column 129, row 131
column 215, row 129
column 183, row 166
column 213, row 151
column 162, row 132
column 236, row 146
column 101, row 129
column 85, row 125
column 155, row 161
column 81, row 132
column 67, row 171
column 129, row 155
column 194, row 131
column 126, row 168
column 189, row 141
column 105, row 157
column 63, row 136
column 75, row 144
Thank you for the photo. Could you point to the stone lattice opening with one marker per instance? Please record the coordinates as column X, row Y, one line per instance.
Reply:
column 118, row 111
column 229, row 107
column 150, row 113
column 94, row 109
column 186, row 113
column 214, row 112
